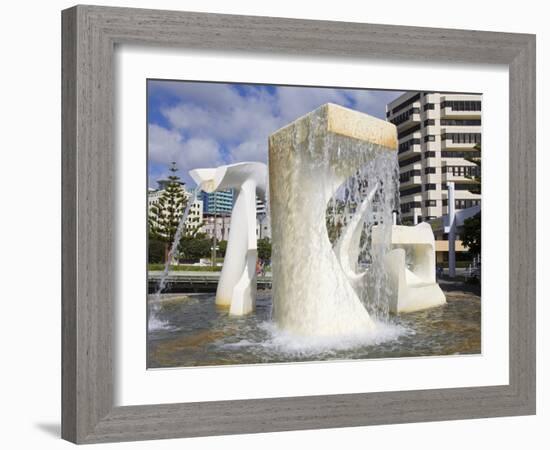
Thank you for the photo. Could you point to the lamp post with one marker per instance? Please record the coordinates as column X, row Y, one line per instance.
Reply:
column 394, row 214
column 452, row 227
column 214, row 240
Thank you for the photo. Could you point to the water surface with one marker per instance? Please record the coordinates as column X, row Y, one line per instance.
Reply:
column 189, row 330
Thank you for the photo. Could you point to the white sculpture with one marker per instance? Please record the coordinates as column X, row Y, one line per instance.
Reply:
column 411, row 269
column 308, row 160
column 347, row 247
column 237, row 285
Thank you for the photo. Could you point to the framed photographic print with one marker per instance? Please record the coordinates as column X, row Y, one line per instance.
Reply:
column 264, row 230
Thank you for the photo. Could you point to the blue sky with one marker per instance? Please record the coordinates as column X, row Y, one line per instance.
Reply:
column 211, row 124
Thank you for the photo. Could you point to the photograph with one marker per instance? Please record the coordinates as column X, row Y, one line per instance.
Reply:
column 291, row 224
column 258, row 225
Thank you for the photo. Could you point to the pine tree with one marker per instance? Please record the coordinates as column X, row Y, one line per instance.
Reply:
column 471, row 230
column 165, row 215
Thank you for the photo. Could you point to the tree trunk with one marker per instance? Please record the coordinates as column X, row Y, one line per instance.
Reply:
column 166, row 252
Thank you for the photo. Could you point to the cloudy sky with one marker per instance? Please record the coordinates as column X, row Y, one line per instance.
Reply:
column 210, row 124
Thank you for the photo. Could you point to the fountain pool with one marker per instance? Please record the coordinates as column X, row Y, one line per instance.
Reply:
column 188, row 330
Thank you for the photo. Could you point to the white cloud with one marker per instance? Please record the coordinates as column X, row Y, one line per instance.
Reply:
column 167, row 146
column 294, row 102
column 249, row 151
column 212, row 124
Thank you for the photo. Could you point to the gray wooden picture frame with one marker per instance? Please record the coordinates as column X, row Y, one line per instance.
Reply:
column 90, row 34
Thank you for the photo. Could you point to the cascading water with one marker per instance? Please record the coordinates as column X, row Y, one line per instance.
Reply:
column 313, row 295
column 379, row 180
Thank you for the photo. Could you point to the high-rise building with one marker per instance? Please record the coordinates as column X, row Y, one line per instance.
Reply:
column 263, row 223
column 218, row 202
column 439, row 135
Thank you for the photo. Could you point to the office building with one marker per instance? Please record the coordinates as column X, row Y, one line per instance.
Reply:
column 439, row 137
column 218, row 202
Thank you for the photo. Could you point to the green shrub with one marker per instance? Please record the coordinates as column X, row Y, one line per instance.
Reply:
column 184, row 268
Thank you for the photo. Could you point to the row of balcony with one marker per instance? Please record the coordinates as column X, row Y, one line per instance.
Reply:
column 448, row 110
column 416, row 180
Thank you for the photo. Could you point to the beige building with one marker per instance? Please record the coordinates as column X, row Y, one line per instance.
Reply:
column 218, row 225
column 436, row 133
column 194, row 221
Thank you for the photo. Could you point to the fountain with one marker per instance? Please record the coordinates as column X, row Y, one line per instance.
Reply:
column 237, row 285
column 308, row 161
column 340, row 265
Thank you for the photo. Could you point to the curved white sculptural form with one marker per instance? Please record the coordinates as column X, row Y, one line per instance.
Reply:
column 347, row 246
column 237, row 285
column 308, row 160
column 410, row 265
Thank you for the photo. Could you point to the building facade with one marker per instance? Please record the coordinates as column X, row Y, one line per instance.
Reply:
column 217, row 225
column 438, row 135
column 195, row 218
column 263, row 223
column 218, row 202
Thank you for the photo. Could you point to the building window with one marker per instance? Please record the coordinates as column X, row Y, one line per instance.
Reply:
column 462, row 105
column 406, row 207
column 429, row 170
column 405, row 146
column 408, row 131
column 428, row 122
column 406, row 176
column 410, row 191
column 462, row 138
column 406, row 103
column 429, row 138
column 430, row 203
column 403, row 117
column 463, row 204
column 460, row 122
column 461, row 186
column 453, row 154
column 429, row 106
column 464, row 171
column 412, row 160
column 430, row 154
column 430, row 187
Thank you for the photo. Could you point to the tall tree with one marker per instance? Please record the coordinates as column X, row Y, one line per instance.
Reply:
column 471, row 235
column 165, row 214
column 471, row 232
column 264, row 249
column 195, row 247
column 476, row 187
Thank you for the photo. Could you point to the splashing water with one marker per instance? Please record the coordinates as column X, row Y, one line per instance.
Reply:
column 154, row 322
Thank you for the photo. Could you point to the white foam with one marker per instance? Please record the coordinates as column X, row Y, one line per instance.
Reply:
column 156, row 324
column 289, row 344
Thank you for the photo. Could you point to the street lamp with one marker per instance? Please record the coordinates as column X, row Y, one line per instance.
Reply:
column 214, row 240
